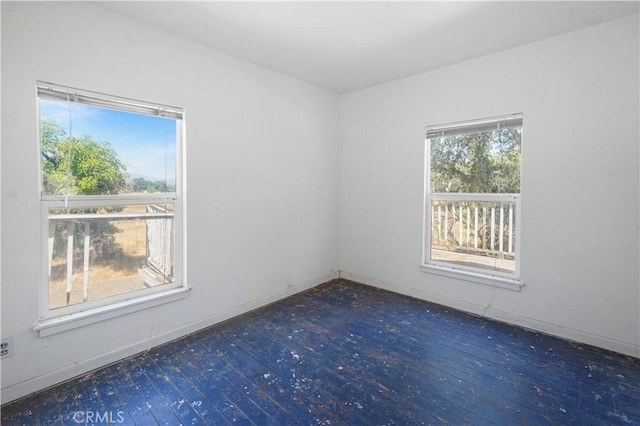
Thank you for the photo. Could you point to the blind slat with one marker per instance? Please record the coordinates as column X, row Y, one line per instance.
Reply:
column 68, row 94
column 463, row 128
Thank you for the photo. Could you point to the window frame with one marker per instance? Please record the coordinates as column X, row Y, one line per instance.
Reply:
column 479, row 275
column 67, row 317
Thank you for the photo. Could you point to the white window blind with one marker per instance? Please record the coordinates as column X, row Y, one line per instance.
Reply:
column 467, row 127
column 59, row 93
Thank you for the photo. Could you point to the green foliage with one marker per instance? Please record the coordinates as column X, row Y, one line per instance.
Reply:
column 52, row 135
column 82, row 166
column 485, row 162
column 79, row 166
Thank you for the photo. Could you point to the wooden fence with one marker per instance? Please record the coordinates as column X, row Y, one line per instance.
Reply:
column 160, row 243
column 484, row 227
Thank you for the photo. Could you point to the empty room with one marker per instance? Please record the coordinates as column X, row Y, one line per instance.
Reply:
column 282, row 213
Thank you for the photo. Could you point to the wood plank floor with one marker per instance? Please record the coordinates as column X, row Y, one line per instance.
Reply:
column 345, row 353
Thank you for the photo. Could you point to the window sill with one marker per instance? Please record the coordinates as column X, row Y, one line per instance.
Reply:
column 64, row 323
column 475, row 277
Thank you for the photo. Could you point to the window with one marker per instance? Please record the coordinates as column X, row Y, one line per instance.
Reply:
column 112, row 199
column 472, row 200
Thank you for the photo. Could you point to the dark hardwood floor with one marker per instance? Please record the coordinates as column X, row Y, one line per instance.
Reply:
column 345, row 353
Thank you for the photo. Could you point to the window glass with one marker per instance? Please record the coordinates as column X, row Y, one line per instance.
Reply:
column 481, row 162
column 473, row 196
column 88, row 150
column 108, row 168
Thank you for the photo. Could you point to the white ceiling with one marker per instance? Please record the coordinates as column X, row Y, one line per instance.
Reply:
column 346, row 46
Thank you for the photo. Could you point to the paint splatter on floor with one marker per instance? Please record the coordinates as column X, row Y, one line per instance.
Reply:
column 344, row 353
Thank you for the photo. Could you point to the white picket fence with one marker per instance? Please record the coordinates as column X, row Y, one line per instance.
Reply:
column 483, row 225
column 160, row 246
column 160, row 243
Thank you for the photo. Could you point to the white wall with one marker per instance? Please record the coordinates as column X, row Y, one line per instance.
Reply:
column 262, row 180
column 580, row 97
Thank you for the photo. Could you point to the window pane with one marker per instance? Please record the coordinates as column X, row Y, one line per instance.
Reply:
column 474, row 233
column 88, row 150
column 483, row 162
column 100, row 252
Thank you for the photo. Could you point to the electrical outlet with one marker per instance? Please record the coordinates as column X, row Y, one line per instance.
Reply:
column 6, row 347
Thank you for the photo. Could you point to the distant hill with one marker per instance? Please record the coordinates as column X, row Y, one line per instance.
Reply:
column 133, row 176
column 140, row 183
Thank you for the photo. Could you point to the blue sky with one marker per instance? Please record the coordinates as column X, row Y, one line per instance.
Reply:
column 146, row 144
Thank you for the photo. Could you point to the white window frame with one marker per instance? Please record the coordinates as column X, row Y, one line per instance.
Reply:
column 464, row 272
column 60, row 319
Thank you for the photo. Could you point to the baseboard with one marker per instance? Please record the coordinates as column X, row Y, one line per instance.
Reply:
column 507, row 317
column 27, row 387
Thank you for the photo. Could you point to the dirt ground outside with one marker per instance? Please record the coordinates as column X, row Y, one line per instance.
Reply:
column 106, row 278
